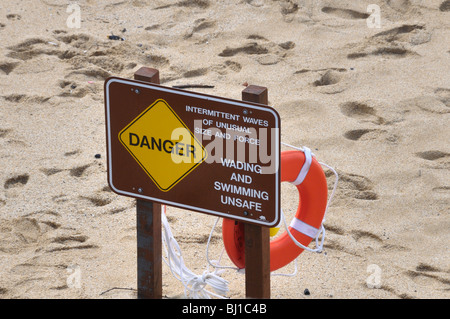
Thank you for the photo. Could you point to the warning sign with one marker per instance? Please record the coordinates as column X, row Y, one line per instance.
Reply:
column 162, row 144
column 194, row 151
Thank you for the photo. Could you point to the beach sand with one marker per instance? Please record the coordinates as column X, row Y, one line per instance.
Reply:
column 374, row 103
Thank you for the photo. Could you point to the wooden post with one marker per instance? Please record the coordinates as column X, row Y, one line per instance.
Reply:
column 149, row 241
column 257, row 238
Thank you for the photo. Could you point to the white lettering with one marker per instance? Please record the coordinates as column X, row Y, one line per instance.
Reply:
column 241, row 190
column 240, row 178
column 248, row 167
column 241, row 203
column 252, row 120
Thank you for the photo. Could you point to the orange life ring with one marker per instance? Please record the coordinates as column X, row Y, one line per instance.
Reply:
column 307, row 174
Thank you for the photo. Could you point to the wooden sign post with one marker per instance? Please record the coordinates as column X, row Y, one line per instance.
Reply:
column 149, row 240
column 257, row 238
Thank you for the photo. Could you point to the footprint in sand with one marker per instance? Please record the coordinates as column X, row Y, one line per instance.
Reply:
column 366, row 239
column 90, row 73
column 330, row 77
column 393, row 34
column 361, row 111
column 79, row 170
column 25, row 98
column 345, row 13
column 352, row 185
column 158, row 61
column 227, row 66
column 428, row 275
column 443, row 95
column 8, row 136
column 277, row 53
column 445, row 6
column 90, row 59
column 430, row 104
column 74, row 89
column 51, row 171
column 16, row 181
column 97, row 200
column 371, row 134
column 433, row 155
column 265, row 52
column 72, row 153
column 8, row 67
column 250, row 48
column 27, row 232
column 4, row 132
column 18, row 234
column 46, row 217
column 401, row 5
column 357, row 243
column 330, row 81
column 386, row 51
column 414, row 34
column 198, row 26
column 94, row 55
column 103, row 197
column 59, row 199
column 201, row 4
column 40, row 234
column 14, row 17
column 69, row 239
column 391, row 43
column 153, row 27
column 13, row 185
column 34, row 47
column 289, row 7
column 355, row 135
column 195, row 73
column 435, row 159
column 288, row 45
column 79, row 40
column 367, row 112
column 442, row 189
column 334, row 229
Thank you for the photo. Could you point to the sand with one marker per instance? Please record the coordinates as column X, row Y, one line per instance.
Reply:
column 374, row 103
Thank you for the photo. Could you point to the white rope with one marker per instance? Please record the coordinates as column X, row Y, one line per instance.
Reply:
column 194, row 285
column 216, row 263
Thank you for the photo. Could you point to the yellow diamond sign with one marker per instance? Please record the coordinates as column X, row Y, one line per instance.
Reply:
column 163, row 145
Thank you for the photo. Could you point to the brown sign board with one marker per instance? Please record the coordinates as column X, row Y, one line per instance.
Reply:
column 194, row 151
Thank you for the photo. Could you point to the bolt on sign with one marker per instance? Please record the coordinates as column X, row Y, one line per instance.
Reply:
column 194, row 151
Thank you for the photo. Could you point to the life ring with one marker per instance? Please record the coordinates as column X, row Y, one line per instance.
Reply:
column 304, row 171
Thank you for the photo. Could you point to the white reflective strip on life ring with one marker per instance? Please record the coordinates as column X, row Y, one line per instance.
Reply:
column 304, row 228
column 305, row 169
